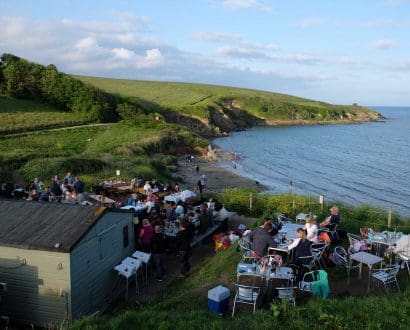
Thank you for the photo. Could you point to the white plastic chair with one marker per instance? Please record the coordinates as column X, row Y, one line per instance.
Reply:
column 386, row 276
column 246, row 295
column 145, row 259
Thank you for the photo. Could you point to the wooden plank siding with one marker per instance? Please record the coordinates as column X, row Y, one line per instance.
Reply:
column 92, row 261
column 38, row 285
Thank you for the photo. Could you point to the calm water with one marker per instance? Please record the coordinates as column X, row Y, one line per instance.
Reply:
column 365, row 163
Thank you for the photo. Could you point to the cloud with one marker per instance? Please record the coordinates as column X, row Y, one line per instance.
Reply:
column 246, row 4
column 217, row 37
column 384, row 44
column 387, row 23
column 250, row 53
column 311, row 22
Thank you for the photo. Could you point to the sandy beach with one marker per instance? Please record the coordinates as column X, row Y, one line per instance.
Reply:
column 219, row 177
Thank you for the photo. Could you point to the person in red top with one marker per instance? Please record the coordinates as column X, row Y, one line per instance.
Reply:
column 145, row 236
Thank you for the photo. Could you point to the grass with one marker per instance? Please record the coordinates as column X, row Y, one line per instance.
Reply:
column 196, row 99
column 353, row 217
column 135, row 148
column 185, row 306
column 17, row 115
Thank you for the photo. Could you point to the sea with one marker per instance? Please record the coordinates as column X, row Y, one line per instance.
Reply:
column 367, row 163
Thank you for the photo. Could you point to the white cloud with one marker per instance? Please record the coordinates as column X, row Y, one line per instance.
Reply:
column 311, row 22
column 241, row 52
column 217, row 36
column 123, row 54
column 384, row 44
column 246, row 4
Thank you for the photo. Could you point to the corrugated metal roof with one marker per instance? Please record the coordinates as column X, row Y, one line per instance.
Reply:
column 45, row 226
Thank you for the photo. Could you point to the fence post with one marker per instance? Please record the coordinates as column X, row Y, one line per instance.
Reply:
column 250, row 201
column 389, row 214
column 321, row 201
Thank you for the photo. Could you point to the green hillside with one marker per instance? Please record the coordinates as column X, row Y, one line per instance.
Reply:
column 227, row 108
column 19, row 115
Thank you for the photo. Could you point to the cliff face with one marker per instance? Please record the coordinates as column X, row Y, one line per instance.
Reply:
column 228, row 115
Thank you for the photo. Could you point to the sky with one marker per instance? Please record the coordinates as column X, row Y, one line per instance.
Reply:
column 337, row 51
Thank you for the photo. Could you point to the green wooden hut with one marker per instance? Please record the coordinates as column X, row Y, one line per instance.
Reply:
column 58, row 259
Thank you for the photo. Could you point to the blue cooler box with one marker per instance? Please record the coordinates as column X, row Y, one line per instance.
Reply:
column 218, row 299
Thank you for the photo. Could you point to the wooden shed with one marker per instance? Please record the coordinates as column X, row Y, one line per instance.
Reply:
column 58, row 259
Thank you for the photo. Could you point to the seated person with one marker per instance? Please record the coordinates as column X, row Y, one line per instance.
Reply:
column 180, row 210
column 311, row 229
column 150, row 201
column 301, row 246
column 331, row 220
column 261, row 239
column 171, row 213
column 133, row 200
column 147, row 187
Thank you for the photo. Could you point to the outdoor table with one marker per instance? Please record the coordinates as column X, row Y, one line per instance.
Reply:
column 172, row 198
column 136, row 208
column 302, row 216
column 100, row 198
column 367, row 259
column 248, row 269
column 387, row 238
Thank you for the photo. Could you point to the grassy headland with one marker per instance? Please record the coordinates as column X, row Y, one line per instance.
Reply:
column 213, row 110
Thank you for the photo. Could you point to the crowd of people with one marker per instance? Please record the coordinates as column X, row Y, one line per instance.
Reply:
column 68, row 190
column 266, row 236
column 188, row 220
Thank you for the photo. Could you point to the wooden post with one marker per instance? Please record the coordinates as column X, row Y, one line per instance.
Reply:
column 250, row 201
column 389, row 214
column 321, row 201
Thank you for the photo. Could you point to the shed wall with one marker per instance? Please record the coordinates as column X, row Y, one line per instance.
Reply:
column 93, row 260
column 38, row 285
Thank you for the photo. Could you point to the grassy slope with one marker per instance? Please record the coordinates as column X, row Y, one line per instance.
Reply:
column 195, row 98
column 185, row 306
column 94, row 152
column 18, row 115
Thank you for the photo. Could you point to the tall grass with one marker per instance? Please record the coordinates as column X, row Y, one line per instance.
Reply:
column 353, row 217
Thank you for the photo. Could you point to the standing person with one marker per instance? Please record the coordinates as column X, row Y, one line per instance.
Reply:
column 184, row 247
column 158, row 250
column 203, row 179
column 261, row 240
column 145, row 236
column 69, row 178
column 78, row 186
column 197, row 169
column 200, row 187
column 55, row 187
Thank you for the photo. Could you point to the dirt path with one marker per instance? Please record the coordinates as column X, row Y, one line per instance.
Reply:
column 54, row 129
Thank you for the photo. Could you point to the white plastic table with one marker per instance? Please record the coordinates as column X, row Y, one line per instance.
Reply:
column 367, row 259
